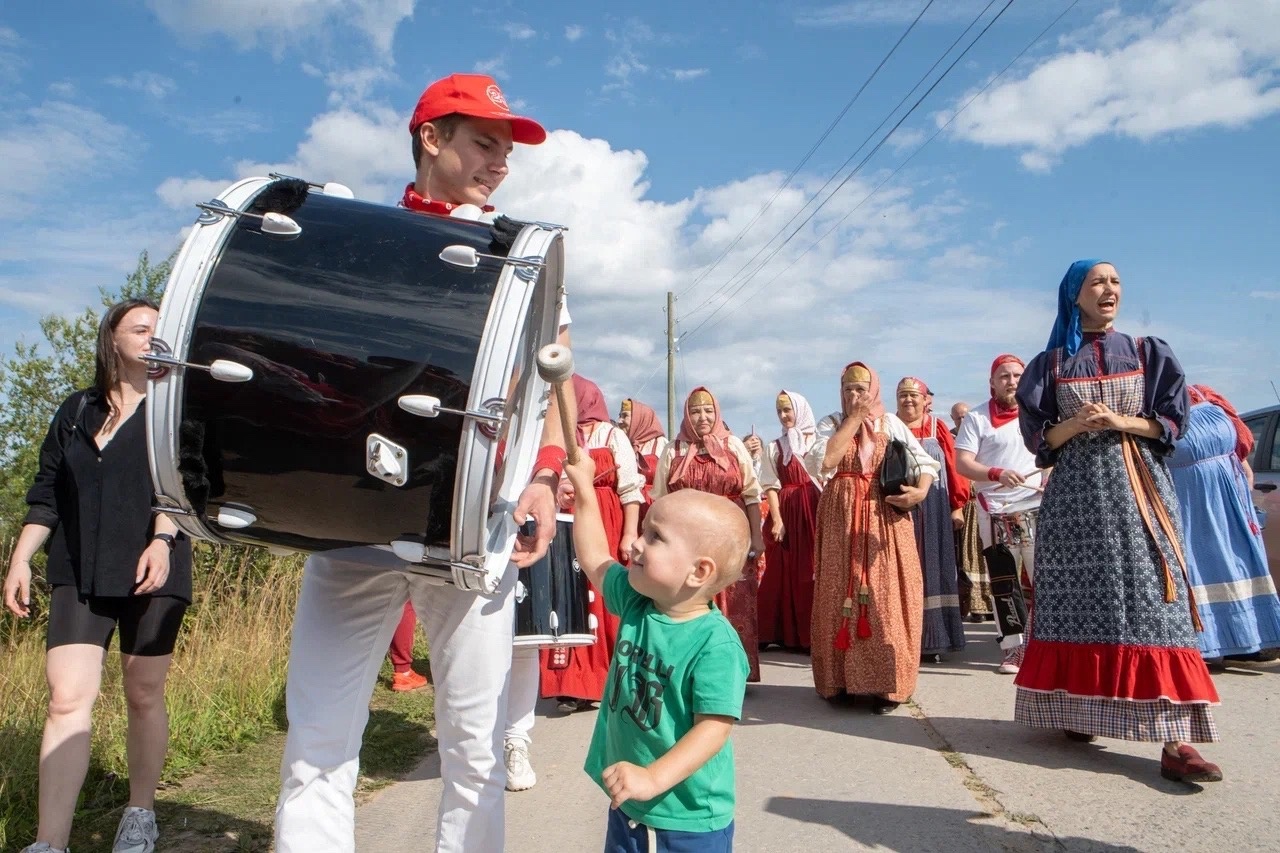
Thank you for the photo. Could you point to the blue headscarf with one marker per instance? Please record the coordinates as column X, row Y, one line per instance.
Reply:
column 1067, row 331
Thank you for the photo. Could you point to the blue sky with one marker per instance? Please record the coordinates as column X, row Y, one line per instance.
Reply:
column 1140, row 132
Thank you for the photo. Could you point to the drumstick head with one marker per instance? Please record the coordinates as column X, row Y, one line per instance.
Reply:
column 555, row 363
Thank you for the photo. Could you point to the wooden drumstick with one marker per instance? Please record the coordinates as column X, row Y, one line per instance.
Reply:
column 555, row 365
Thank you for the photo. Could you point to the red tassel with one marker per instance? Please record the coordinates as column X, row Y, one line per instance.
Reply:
column 1253, row 528
column 842, row 637
column 864, row 625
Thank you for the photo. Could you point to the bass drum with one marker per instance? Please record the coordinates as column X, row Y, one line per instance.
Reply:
column 324, row 379
column 553, row 597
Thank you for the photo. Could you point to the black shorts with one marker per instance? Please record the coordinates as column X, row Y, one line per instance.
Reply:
column 148, row 623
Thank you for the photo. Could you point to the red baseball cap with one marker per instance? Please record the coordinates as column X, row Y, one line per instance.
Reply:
column 475, row 95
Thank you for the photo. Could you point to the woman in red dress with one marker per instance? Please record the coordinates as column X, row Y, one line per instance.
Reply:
column 648, row 440
column 707, row 457
column 785, row 597
column 576, row 676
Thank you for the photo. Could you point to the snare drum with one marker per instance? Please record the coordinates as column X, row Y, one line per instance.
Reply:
column 552, row 597
column 323, row 378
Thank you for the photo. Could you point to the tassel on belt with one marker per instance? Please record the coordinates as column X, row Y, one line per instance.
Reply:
column 862, row 579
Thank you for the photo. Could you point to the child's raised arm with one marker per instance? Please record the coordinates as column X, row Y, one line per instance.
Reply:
column 590, row 544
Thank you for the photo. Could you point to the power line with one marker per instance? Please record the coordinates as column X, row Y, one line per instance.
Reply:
column 855, row 170
column 817, row 195
column 902, row 165
column 787, row 180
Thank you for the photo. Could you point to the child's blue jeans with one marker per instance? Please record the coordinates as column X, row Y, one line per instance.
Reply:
column 623, row 837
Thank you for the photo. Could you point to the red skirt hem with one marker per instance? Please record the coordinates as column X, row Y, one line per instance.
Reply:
column 1139, row 673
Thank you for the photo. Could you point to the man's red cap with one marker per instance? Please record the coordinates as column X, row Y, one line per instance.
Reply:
column 474, row 95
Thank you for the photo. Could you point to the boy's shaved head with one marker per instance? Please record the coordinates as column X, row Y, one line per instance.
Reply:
column 715, row 527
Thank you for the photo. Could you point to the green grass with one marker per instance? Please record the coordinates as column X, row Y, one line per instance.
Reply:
column 225, row 699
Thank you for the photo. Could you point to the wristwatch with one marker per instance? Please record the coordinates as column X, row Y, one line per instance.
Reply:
column 166, row 538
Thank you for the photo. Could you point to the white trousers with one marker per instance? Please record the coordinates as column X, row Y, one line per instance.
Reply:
column 1025, row 557
column 523, row 696
column 350, row 603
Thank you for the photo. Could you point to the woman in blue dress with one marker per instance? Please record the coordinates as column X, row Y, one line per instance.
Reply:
column 1234, row 593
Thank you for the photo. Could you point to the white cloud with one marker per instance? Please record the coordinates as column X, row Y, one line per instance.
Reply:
column 573, row 32
column 11, row 61
column 881, row 12
column 683, row 74
column 147, row 82
column 520, row 32
column 355, row 86
column 62, row 89
column 495, row 67
column 283, row 23
column 222, row 126
column 1202, row 64
column 39, row 146
column 625, row 63
column 1265, row 294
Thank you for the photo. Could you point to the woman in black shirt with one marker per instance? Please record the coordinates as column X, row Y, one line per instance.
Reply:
column 113, row 562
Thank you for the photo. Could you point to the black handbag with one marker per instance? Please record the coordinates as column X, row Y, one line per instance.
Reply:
column 898, row 469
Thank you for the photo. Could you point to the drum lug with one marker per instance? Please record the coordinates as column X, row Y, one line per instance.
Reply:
column 271, row 224
column 467, row 258
column 426, row 406
column 386, row 460
column 235, row 517
column 222, row 369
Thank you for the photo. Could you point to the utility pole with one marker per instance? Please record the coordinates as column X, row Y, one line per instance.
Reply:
column 671, row 364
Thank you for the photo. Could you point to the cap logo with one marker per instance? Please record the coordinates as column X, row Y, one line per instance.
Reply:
column 495, row 95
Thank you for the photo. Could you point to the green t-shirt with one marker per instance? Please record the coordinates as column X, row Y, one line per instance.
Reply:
column 663, row 672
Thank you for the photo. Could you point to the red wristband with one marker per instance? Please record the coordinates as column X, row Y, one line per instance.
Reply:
column 550, row 456
column 993, row 474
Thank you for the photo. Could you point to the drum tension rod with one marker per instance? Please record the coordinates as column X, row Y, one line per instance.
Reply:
column 425, row 406
column 221, row 369
column 467, row 258
column 272, row 224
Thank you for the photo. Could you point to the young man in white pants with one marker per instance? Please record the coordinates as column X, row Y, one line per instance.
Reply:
column 990, row 452
column 352, row 599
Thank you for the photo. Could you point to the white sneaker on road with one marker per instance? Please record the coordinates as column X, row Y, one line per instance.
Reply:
column 520, row 775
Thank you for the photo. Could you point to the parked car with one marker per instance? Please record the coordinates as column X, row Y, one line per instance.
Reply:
column 1265, row 425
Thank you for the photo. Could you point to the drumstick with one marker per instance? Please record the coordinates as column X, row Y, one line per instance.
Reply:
column 555, row 365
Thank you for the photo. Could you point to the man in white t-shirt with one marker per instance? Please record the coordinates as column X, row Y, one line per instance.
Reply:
column 990, row 452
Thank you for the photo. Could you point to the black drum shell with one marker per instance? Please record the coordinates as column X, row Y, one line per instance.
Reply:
column 337, row 324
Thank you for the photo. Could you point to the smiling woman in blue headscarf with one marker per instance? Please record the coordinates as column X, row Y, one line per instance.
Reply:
column 1113, row 648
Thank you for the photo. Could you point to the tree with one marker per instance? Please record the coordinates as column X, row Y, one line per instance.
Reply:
column 38, row 377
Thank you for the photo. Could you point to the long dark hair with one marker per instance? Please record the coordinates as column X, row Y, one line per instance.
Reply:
column 106, row 371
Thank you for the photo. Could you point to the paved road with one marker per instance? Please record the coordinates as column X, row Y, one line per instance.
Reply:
column 952, row 773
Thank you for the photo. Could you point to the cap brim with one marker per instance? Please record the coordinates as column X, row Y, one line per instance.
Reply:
column 526, row 131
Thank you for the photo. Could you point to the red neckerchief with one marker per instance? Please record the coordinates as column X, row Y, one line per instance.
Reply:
column 999, row 414
column 413, row 201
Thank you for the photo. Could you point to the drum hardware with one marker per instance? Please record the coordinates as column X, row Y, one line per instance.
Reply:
column 271, row 224
column 222, row 369
column 235, row 517
column 170, row 510
column 329, row 188
column 555, row 367
column 386, row 460
column 426, row 406
column 467, row 258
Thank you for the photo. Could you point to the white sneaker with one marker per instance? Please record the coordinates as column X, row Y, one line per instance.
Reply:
column 520, row 775
column 137, row 832
column 1009, row 666
column 44, row 847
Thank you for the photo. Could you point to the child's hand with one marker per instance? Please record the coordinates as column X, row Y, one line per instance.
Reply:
column 626, row 781
column 581, row 474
